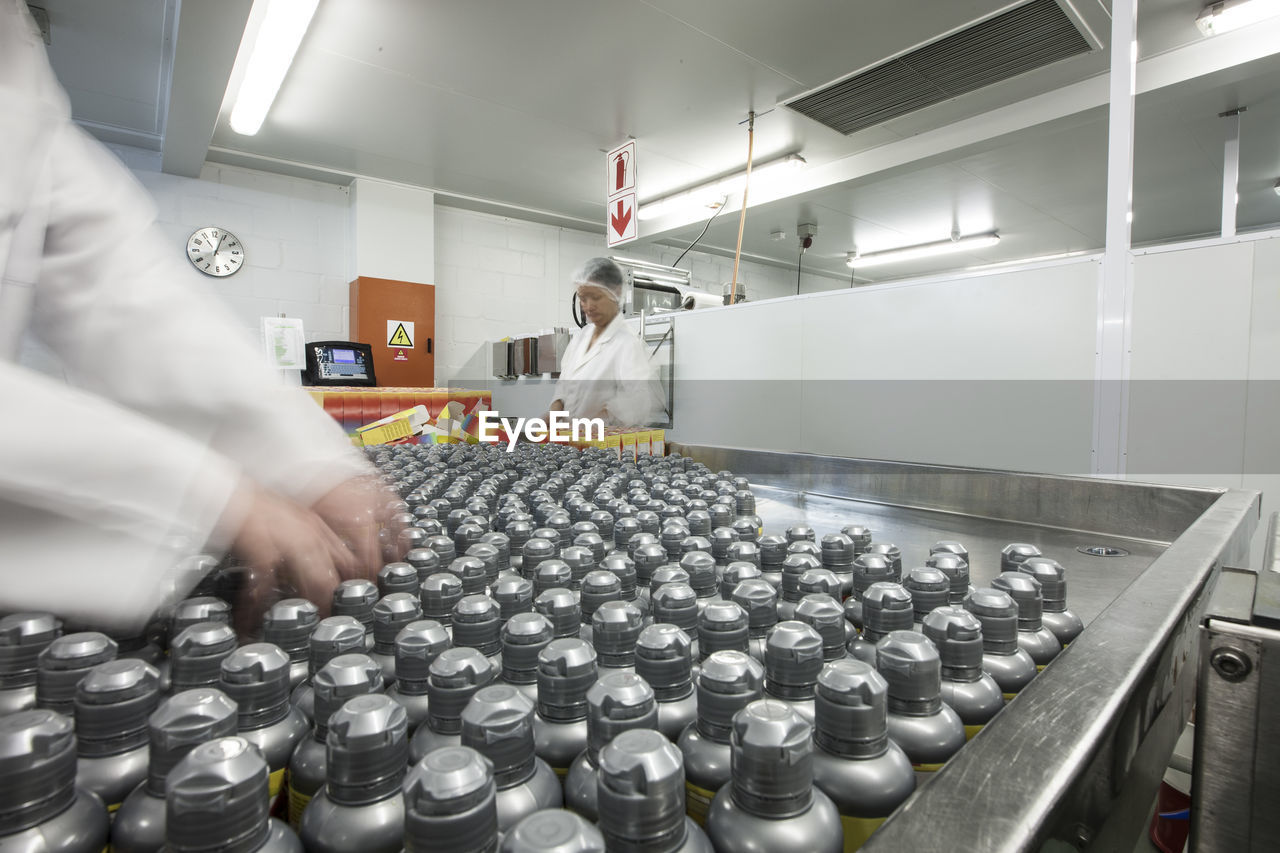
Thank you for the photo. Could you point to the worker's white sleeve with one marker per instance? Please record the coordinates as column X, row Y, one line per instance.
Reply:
column 636, row 401
column 142, row 493
column 135, row 323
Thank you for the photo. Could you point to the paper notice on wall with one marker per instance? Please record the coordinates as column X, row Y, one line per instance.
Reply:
column 283, row 340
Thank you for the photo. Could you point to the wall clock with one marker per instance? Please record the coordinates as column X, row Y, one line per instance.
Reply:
column 215, row 251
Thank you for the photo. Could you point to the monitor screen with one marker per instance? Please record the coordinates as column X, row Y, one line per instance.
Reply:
column 344, row 356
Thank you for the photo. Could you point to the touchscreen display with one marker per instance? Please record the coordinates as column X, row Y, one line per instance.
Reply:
column 344, row 356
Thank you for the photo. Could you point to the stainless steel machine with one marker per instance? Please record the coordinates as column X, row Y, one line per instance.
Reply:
column 1236, row 769
column 1074, row 761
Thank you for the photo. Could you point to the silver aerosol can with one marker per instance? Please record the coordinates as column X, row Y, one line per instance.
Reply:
column 648, row 558
column 640, row 789
column 566, row 670
column 886, row 607
column 438, row 594
column 734, row 574
column 342, row 678
column 930, row 589
column 477, row 624
column 498, row 724
column 561, row 608
column 615, row 703
column 1033, row 636
column 838, row 552
column 760, row 601
column 390, row 615
column 256, row 677
column 23, row 636
column 179, row 725
column 398, row 577
column 598, row 587
column 624, row 569
column 664, row 660
column 890, row 552
column 361, row 807
column 792, row 660
column 956, row 567
column 771, row 551
column 356, row 598
column 1064, row 624
column 216, row 799
column 926, row 728
column 867, row 569
column 861, row 536
column 417, row 645
column 727, row 683
column 196, row 655
column 201, row 608
column 824, row 614
column 113, row 703
column 864, row 773
column 1015, row 553
column 1002, row 658
column 969, row 691
column 336, row 635
column 721, row 538
column 723, row 626
column 701, row 567
column 288, row 624
column 454, row 677
column 451, row 803
column 677, row 604
column 514, row 595
column 615, row 628
column 793, row 566
column 44, row 811
column 770, row 802
column 524, row 636
column 64, row 662
column 553, row 831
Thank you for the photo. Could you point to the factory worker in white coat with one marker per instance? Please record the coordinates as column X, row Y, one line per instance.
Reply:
column 166, row 434
column 606, row 371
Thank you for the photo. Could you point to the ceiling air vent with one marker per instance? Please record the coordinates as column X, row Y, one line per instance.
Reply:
column 1023, row 39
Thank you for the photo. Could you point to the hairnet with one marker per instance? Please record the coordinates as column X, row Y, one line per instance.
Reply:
column 603, row 274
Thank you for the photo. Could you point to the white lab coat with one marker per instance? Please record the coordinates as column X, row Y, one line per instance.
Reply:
column 108, row 479
column 613, row 379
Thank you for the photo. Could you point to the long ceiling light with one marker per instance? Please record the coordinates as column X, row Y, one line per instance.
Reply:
column 283, row 26
column 1231, row 15
column 711, row 195
column 923, row 250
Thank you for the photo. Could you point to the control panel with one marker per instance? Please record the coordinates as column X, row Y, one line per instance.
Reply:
column 339, row 363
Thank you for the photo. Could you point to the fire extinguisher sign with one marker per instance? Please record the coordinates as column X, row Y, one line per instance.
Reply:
column 620, row 194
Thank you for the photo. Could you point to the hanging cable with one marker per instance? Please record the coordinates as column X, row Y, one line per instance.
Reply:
column 703, row 234
column 799, row 263
column 742, row 217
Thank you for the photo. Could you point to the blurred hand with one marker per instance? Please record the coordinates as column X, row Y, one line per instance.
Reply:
column 285, row 545
column 355, row 511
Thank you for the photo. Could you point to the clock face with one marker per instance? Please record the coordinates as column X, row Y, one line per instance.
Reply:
column 215, row 251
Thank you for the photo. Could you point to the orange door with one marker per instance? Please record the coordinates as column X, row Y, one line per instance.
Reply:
column 398, row 320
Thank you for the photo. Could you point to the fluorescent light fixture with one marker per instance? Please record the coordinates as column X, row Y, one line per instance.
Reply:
column 924, row 250
column 713, row 194
column 1277, row 187
column 1231, row 15
column 283, row 26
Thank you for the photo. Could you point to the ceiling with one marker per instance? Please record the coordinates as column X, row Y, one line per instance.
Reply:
column 509, row 106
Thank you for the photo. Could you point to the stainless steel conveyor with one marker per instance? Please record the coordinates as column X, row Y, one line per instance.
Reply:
column 1077, row 757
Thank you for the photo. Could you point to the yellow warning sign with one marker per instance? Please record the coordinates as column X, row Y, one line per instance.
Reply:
column 400, row 333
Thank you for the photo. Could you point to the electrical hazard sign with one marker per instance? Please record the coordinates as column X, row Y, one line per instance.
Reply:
column 400, row 334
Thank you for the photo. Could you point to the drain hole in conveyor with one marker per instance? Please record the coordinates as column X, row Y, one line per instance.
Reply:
column 1102, row 551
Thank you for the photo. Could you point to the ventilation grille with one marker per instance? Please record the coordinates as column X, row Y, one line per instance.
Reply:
column 1020, row 40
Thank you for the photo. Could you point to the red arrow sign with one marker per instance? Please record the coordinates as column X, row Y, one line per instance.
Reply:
column 620, row 220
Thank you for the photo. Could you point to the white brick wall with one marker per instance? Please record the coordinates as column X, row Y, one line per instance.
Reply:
column 295, row 234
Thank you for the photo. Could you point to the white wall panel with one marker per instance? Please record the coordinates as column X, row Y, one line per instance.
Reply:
column 1189, row 356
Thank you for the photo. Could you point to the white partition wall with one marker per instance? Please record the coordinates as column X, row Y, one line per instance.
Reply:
column 992, row 370
column 998, row 369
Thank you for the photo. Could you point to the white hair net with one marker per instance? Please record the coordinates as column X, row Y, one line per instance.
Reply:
column 601, row 273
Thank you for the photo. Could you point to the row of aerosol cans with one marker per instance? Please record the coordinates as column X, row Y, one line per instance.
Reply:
column 612, row 689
